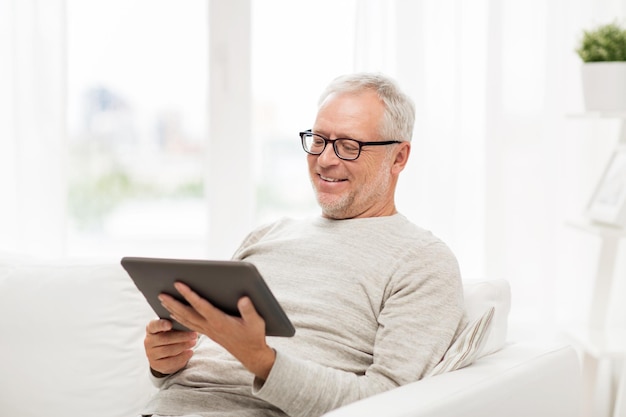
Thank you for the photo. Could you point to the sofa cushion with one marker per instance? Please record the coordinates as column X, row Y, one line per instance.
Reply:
column 72, row 339
column 487, row 305
column 468, row 345
column 480, row 295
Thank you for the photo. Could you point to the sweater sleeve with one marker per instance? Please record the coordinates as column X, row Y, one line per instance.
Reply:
column 416, row 325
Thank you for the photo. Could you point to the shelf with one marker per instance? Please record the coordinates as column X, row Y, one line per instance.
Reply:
column 598, row 115
column 607, row 343
column 598, row 229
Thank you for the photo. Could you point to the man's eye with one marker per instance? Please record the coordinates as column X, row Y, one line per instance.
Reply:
column 349, row 146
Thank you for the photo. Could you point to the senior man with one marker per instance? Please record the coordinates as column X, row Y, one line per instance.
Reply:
column 375, row 300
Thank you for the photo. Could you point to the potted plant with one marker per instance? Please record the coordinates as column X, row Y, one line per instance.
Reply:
column 603, row 51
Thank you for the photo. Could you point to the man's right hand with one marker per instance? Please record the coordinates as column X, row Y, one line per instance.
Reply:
column 168, row 350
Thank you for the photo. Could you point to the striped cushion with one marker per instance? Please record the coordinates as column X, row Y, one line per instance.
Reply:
column 467, row 346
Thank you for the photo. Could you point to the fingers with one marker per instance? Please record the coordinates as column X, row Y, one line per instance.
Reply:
column 171, row 364
column 243, row 337
column 157, row 326
column 197, row 302
column 200, row 315
column 168, row 350
column 194, row 315
column 248, row 312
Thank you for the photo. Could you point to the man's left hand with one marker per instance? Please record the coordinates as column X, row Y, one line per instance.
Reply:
column 243, row 337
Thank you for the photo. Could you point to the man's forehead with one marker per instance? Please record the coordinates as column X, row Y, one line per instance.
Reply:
column 357, row 94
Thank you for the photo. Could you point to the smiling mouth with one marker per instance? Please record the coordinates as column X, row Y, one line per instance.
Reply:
column 331, row 179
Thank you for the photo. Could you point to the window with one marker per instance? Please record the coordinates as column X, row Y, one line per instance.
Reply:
column 137, row 79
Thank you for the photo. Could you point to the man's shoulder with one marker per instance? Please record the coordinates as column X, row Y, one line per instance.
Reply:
column 282, row 225
column 399, row 227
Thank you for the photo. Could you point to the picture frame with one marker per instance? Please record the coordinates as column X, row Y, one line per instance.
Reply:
column 608, row 201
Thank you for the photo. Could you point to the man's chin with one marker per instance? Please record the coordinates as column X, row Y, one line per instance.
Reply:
column 334, row 208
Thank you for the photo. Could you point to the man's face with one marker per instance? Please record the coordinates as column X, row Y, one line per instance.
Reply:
column 363, row 187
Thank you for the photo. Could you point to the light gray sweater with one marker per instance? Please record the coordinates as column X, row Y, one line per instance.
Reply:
column 375, row 303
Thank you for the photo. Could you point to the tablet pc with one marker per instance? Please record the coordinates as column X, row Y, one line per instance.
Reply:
column 222, row 283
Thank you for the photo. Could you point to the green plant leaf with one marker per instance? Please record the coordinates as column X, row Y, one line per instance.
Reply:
column 604, row 43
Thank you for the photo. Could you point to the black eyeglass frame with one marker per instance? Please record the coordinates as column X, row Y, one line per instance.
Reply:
column 333, row 142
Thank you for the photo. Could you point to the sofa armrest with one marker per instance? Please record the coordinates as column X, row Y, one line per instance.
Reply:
column 517, row 381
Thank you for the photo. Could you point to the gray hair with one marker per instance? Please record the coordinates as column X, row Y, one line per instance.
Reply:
column 399, row 116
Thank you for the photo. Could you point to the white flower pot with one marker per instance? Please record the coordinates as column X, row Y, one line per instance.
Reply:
column 604, row 86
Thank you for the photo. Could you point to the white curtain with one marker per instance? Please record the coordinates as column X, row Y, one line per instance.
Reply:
column 498, row 167
column 437, row 50
column 32, row 120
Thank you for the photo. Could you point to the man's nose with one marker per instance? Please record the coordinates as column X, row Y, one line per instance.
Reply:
column 328, row 156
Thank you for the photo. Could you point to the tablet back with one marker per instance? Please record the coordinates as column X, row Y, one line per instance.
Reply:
column 222, row 283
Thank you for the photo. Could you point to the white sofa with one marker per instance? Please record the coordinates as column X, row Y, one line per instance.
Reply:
column 72, row 345
column 520, row 380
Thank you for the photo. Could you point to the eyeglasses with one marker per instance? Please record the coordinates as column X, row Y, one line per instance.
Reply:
column 346, row 149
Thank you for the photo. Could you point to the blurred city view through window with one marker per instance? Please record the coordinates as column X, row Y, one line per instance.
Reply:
column 136, row 122
column 137, row 109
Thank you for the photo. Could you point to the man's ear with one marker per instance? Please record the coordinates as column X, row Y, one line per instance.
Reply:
column 402, row 156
